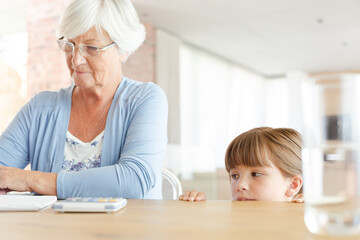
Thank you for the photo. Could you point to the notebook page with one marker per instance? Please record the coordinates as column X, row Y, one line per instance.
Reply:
column 25, row 203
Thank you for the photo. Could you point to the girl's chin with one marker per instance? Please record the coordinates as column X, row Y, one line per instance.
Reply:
column 245, row 199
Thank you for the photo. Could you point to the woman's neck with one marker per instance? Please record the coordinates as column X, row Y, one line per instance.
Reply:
column 93, row 99
column 89, row 111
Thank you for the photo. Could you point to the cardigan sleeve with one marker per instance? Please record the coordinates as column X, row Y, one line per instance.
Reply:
column 14, row 141
column 139, row 165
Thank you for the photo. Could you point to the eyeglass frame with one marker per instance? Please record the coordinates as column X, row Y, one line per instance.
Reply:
column 80, row 47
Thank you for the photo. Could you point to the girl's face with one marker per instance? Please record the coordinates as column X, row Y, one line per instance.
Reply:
column 259, row 183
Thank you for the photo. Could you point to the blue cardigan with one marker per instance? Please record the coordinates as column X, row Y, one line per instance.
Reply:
column 134, row 144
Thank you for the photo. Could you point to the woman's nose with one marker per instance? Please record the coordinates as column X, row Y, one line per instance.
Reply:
column 76, row 57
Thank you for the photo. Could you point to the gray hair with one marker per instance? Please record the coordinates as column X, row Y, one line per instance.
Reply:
column 117, row 17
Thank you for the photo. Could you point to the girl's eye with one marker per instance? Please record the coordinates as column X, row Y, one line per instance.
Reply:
column 256, row 174
column 234, row 176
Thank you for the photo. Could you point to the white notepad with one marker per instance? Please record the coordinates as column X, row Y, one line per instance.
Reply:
column 25, row 203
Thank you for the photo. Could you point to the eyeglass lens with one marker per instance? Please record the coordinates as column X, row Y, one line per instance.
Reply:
column 85, row 50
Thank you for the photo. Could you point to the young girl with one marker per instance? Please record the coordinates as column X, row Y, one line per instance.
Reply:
column 264, row 164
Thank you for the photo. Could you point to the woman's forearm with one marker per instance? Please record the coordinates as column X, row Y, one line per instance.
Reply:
column 43, row 183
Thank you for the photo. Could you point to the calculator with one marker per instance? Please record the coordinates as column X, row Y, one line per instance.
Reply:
column 90, row 204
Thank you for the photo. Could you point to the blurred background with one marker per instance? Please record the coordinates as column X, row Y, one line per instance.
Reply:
column 226, row 67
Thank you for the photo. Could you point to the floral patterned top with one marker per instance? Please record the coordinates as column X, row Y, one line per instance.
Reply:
column 79, row 156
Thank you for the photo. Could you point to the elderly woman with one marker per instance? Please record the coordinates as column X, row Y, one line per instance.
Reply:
column 103, row 136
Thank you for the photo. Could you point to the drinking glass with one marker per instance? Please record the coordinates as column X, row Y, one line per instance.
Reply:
column 330, row 155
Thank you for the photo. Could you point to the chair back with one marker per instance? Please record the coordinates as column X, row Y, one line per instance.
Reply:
column 171, row 186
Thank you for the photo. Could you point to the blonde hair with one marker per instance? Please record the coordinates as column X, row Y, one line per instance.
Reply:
column 258, row 146
column 117, row 17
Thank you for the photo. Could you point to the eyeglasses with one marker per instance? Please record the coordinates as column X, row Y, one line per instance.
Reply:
column 85, row 50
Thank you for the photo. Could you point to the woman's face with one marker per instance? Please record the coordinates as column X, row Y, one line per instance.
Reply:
column 94, row 71
column 258, row 183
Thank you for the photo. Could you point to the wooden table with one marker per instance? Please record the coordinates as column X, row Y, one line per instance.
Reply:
column 155, row 219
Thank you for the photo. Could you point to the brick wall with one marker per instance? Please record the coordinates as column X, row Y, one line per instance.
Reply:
column 141, row 64
column 46, row 64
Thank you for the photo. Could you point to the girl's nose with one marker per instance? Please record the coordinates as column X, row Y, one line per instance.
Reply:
column 242, row 185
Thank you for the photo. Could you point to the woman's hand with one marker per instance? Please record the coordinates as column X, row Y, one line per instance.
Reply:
column 298, row 198
column 16, row 179
column 193, row 196
column 4, row 191
column 13, row 179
